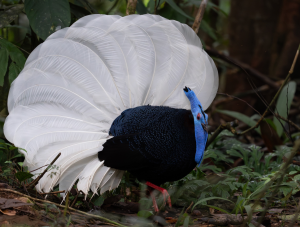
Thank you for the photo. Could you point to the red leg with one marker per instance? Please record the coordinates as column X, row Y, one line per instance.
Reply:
column 163, row 191
column 154, row 203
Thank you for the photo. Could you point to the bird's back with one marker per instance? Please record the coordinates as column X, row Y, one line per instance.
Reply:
column 155, row 143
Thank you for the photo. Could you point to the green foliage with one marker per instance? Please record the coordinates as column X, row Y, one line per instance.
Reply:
column 3, row 64
column 144, row 213
column 242, row 117
column 99, row 201
column 282, row 108
column 48, row 16
column 283, row 105
column 21, row 176
column 141, row 8
column 178, row 9
column 14, row 53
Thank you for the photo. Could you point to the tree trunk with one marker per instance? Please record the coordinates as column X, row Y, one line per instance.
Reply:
column 265, row 35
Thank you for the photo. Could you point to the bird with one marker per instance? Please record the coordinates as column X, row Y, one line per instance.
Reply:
column 113, row 94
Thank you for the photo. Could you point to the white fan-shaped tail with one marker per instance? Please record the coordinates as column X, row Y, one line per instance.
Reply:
column 81, row 78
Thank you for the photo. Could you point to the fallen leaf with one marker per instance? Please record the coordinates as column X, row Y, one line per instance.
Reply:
column 24, row 200
column 211, row 211
column 275, row 211
column 288, row 217
column 9, row 203
column 8, row 212
column 3, row 185
column 172, row 221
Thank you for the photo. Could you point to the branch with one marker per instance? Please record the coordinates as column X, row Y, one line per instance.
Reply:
column 62, row 206
column 239, row 64
column 289, row 121
column 34, row 182
column 229, row 126
column 55, row 192
column 277, row 94
column 199, row 16
column 131, row 6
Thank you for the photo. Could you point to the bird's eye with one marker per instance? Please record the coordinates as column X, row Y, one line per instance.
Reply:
column 198, row 116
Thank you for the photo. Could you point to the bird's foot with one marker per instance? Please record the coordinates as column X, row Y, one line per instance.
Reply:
column 165, row 195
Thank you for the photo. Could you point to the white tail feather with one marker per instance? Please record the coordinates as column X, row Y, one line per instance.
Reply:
column 81, row 78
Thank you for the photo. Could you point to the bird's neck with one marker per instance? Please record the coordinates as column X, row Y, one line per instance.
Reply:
column 201, row 138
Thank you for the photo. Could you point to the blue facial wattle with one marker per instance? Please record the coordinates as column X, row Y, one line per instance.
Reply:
column 200, row 121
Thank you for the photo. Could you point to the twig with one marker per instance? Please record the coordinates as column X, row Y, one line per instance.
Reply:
column 131, row 6
column 187, row 209
column 33, row 183
column 52, row 192
column 199, row 16
column 276, row 95
column 37, row 168
column 229, row 126
column 248, row 68
column 220, row 101
column 74, row 201
column 62, row 206
column 289, row 121
column 67, row 204
column 234, row 97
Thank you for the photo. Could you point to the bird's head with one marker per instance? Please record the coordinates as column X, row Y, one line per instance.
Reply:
column 200, row 123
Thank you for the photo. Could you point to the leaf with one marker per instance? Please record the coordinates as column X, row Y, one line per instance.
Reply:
column 178, row 9
column 21, row 176
column 99, row 201
column 211, row 198
column 208, row 29
column 47, row 16
column 144, row 214
column 78, row 11
column 8, row 212
column 10, row 14
column 13, row 73
column 219, row 209
column 141, row 8
column 242, row 117
column 297, row 177
column 84, row 4
column 186, row 221
column 21, row 163
column 3, row 64
column 284, row 104
column 248, row 209
column 245, row 189
column 18, row 155
column 15, row 54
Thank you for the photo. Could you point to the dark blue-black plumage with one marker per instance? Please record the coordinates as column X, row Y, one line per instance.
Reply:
column 154, row 143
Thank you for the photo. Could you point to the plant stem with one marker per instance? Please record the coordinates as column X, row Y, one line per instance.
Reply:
column 33, row 183
column 199, row 16
column 131, row 6
column 276, row 95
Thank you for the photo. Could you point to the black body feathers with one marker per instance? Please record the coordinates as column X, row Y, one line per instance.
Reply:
column 154, row 143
